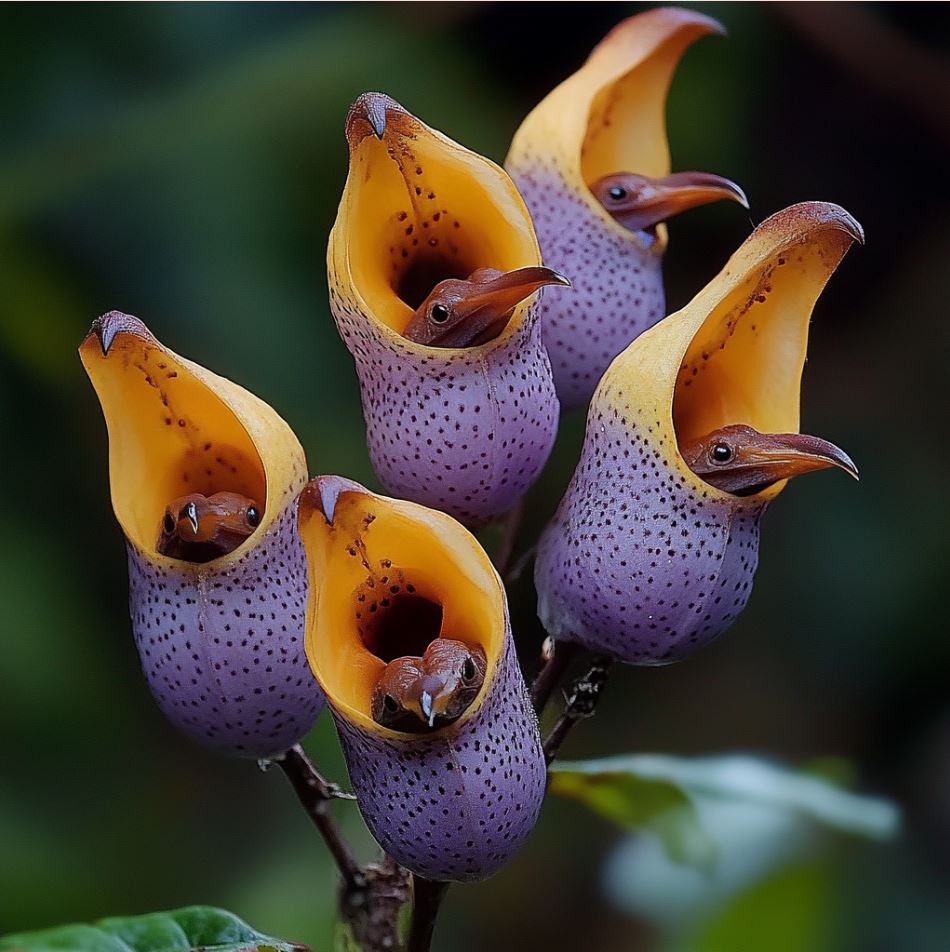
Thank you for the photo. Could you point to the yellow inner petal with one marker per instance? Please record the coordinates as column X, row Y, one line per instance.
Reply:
column 170, row 434
column 626, row 125
column 419, row 208
column 387, row 577
column 744, row 363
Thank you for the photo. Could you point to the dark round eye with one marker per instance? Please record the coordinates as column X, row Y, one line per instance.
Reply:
column 721, row 453
column 253, row 516
column 439, row 313
column 617, row 193
column 468, row 670
column 390, row 703
column 169, row 522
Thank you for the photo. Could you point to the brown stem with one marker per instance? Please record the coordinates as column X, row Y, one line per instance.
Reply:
column 315, row 794
column 581, row 704
column 372, row 910
column 427, row 896
column 555, row 658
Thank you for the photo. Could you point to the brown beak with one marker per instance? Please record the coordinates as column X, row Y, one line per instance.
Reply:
column 190, row 515
column 491, row 305
column 661, row 198
column 780, row 456
column 432, row 698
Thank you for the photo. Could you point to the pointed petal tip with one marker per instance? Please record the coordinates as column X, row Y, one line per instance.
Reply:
column 672, row 18
column 853, row 227
column 372, row 109
column 811, row 216
column 840, row 218
column 107, row 327
column 321, row 495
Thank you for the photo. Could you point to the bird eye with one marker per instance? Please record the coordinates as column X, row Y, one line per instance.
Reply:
column 253, row 516
column 168, row 523
column 468, row 670
column 721, row 453
column 390, row 703
column 439, row 313
column 617, row 193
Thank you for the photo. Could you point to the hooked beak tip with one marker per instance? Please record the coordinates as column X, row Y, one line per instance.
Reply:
column 373, row 109
column 190, row 512
column 425, row 703
column 107, row 328
column 376, row 115
column 106, row 335
column 799, row 453
column 853, row 227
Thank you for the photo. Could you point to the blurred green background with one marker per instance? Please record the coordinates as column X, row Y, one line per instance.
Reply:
column 183, row 163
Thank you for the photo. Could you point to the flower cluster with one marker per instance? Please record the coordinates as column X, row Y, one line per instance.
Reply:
column 472, row 300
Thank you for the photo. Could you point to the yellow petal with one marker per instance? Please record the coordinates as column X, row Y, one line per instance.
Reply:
column 736, row 352
column 176, row 428
column 609, row 116
column 418, row 208
column 377, row 565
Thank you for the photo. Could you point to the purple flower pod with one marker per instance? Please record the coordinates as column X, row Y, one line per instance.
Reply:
column 221, row 642
column 454, row 803
column 644, row 560
column 606, row 118
column 464, row 430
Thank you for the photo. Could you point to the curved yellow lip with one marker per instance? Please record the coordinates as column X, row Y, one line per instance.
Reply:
column 609, row 116
column 363, row 550
column 735, row 354
column 418, row 208
column 176, row 429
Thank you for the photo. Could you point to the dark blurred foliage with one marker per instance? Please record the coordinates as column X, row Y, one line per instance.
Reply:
column 183, row 163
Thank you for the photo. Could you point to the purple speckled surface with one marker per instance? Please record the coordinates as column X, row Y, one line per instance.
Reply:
column 636, row 564
column 222, row 648
column 463, row 431
column 617, row 278
column 457, row 805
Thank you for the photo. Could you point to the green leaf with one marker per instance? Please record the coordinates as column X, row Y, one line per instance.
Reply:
column 660, row 793
column 641, row 803
column 195, row 927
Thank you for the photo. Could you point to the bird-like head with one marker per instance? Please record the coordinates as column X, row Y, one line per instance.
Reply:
column 465, row 313
column 416, row 694
column 199, row 528
column 407, row 619
column 640, row 202
column 739, row 459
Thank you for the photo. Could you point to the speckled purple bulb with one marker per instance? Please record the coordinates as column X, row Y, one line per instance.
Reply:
column 454, row 804
column 221, row 643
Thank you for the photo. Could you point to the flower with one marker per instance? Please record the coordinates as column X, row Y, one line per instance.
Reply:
column 220, row 637
column 462, row 429
column 645, row 560
column 391, row 579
